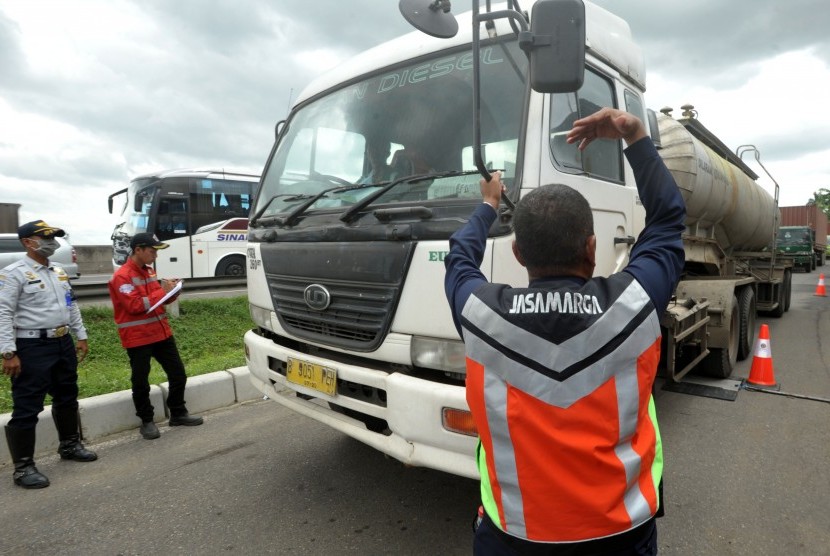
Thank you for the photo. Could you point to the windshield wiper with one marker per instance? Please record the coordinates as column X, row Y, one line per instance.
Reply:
column 349, row 215
column 289, row 219
column 258, row 215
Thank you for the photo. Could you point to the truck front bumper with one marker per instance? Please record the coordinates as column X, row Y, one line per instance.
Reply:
column 413, row 409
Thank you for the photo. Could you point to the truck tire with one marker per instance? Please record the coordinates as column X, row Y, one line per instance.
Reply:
column 232, row 266
column 788, row 289
column 821, row 259
column 778, row 312
column 720, row 361
column 746, row 307
column 813, row 262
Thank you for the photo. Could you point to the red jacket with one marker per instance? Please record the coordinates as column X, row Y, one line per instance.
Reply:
column 133, row 291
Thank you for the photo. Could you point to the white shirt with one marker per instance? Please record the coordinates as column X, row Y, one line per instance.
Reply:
column 34, row 296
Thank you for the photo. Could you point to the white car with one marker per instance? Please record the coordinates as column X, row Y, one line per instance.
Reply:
column 11, row 250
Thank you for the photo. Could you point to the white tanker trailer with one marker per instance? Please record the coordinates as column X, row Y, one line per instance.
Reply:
column 731, row 268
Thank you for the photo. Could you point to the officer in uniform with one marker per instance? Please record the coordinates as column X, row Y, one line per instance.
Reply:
column 37, row 314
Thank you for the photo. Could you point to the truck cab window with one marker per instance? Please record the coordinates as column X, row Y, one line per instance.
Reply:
column 602, row 159
column 634, row 105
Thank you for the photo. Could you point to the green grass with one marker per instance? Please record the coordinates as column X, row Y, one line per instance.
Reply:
column 208, row 334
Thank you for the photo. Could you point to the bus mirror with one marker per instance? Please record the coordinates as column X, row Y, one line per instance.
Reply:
column 109, row 204
column 556, row 45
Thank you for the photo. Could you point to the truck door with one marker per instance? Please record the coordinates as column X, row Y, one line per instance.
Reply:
column 597, row 172
column 173, row 228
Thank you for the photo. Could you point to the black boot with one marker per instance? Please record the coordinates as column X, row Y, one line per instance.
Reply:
column 66, row 421
column 22, row 448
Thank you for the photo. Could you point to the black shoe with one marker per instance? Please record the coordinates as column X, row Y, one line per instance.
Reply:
column 74, row 450
column 149, row 430
column 186, row 420
column 29, row 477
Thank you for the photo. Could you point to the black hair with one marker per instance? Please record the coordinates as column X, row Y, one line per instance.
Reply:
column 552, row 225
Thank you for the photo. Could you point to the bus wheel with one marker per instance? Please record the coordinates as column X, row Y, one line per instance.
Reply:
column 231, row 266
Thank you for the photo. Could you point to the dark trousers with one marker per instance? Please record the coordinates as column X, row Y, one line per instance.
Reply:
column 489, row 540
column 47, row 366
column 167, row 354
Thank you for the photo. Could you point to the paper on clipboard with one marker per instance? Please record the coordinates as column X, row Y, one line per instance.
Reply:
column 176, row 289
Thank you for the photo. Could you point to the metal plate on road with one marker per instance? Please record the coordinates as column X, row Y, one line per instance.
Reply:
column 317, row 377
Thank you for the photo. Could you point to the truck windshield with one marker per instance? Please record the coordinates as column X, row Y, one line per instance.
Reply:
column 794, row 236
column 412, row 119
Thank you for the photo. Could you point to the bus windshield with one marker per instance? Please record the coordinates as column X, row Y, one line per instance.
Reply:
column 387, row 127
column 138, row 205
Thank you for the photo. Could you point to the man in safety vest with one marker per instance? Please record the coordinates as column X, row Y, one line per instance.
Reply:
column 559, row 374
column 145, row 333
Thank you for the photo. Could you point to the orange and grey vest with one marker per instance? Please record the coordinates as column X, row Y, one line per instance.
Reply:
column 559, row 379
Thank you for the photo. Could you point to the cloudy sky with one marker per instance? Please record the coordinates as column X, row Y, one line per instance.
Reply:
column 95, row 92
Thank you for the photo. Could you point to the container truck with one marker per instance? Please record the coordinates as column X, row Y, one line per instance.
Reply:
column 345, row 271
column 803, row 235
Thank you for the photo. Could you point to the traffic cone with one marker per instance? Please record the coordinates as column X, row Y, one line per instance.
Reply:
column 820, row 288
column 761, row 373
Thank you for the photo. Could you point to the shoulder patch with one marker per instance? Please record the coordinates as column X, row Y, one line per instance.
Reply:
column 126, row 288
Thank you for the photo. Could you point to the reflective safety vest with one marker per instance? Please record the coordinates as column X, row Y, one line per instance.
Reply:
column 559, row 380
column 134, row 290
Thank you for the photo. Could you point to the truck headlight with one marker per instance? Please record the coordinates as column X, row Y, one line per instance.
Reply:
column 432, row 353
column 261, row 316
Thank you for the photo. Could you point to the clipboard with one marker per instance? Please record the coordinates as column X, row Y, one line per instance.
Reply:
column 176, row 289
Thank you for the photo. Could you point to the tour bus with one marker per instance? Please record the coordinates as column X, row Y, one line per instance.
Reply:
column 201, row 214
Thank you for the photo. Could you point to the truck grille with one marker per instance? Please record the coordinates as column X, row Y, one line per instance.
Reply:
column 364, row 280
column 357, row 317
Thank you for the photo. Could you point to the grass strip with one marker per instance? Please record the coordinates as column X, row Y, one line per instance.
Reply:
column 208, row 333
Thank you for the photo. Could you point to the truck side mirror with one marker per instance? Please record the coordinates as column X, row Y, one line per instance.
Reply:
column 653, row 129
column 556, row 45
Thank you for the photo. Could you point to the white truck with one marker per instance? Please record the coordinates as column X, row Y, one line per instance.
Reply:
column 345, row 272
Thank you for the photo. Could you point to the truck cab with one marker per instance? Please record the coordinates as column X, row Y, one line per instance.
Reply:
column 797, row 242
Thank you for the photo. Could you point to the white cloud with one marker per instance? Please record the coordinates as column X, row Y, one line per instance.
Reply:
column 95, row 92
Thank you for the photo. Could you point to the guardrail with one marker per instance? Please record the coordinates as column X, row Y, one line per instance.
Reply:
column 100, row 289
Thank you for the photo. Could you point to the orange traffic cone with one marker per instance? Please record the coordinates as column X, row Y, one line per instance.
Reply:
column 761, row 373
column 820, row 288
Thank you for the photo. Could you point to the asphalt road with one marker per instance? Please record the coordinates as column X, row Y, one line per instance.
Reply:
column 743, row 477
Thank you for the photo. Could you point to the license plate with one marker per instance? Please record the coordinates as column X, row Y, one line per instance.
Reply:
column 317, row 377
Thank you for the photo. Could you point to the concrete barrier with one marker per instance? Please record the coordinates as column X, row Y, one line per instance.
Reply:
column 101, row 416
column 94, row 259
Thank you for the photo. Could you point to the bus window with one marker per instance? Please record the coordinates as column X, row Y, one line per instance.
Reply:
column 172, row 219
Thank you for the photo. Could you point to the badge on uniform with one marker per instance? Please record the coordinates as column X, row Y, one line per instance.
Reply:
column 126, row 288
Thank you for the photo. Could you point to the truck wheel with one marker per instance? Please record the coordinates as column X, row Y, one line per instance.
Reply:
column 813, row 262
column 231, row 266
column 746, row 306
column 820, row 259
column 788, row 289
column 778, row 312
column 720, row 361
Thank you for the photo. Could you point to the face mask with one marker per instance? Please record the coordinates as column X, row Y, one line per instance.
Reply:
column 47, row 247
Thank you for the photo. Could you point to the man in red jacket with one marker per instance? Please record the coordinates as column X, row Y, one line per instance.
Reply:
column 145, row 333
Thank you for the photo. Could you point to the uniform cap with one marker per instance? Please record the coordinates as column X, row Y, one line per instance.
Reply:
column 147, row 240
column 38, row 228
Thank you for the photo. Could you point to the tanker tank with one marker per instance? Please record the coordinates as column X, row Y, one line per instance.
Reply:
column 722, row 202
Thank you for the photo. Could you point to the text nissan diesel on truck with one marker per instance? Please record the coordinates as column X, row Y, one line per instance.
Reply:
column 378, row 164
